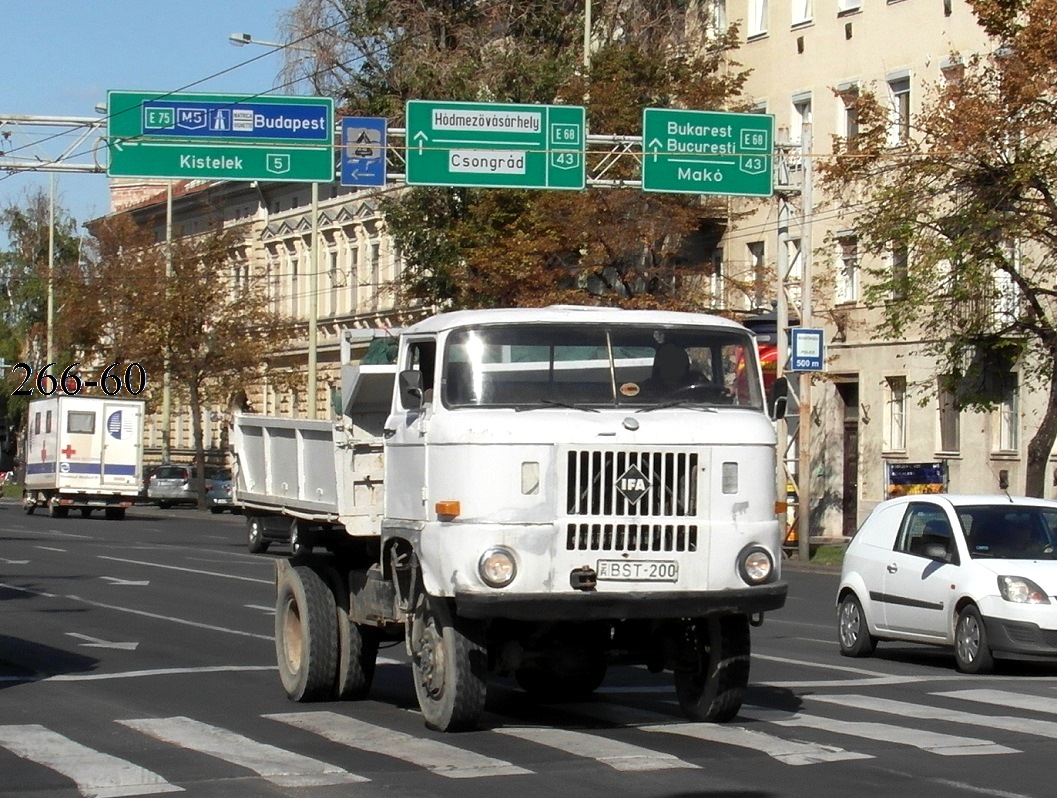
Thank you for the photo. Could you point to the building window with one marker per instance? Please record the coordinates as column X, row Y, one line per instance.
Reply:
column 757, row 22
column 849, row 129
column 718, row 23
column 801, row 11
column 376, row 275
column 847, row 268
column 1009, row 414
column 847, row 6
column 949, row 419
column 899, row 124
column 335, row 279
column 895, row 431
column 799, row 125
column 900, row 267
column 756, row 264
column 353, row 263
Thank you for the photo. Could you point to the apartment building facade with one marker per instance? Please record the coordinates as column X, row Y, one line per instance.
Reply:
column 878, row 412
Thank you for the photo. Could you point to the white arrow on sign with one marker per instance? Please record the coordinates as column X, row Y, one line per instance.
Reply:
column 420, row 137
column 95, row 642
column 134, row 582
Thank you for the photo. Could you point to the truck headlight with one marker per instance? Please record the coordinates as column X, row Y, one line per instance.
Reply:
column 497, row 567
column 1021, row 590
column 755, row 565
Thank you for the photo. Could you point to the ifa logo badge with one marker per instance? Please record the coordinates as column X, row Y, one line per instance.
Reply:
column 632, row 484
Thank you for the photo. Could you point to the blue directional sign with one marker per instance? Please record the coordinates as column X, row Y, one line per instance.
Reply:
column 808, row 349
column 362, row 161
column 235, row 119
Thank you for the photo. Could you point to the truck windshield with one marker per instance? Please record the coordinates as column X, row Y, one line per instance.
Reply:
column 547, row 365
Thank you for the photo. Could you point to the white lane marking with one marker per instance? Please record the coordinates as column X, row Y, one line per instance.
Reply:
column 18, row 589
column 931, row 742
column 51, row 548
column 97, row 642
column 261, row 607
column 963, row 787
column 13, row 562
column 1034, row 726
column 614, row 753
column 277, row 765
column 789, row 752
column 115, row 580
column 1006, row 698
column 440, row 758
column 188, row 570
column 97, row 775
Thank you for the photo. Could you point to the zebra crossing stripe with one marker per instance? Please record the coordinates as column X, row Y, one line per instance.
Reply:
column 279, row 766
column 440, row 758
column 1004, row 698
column 614, row 753
column 97, row 775
column 787, row 751
column 1033, row 726
column 931, row 742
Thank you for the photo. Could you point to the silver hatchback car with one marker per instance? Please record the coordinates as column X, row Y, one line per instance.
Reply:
column 171, row 484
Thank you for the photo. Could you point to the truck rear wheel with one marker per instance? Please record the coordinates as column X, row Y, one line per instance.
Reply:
column 357, row 646
column 711, row 680
column 55, row 510
column 306, row 637
column 255, row 541
column 449, row 662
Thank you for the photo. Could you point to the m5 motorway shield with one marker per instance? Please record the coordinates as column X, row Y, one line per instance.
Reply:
column 707, row 152
column 220, row 137
column 491, row 145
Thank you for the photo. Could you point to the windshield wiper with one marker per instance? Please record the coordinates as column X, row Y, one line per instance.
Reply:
column 556, row 403
column 691, row 403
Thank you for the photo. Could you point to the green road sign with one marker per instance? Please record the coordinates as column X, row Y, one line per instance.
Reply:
column 220, row 137
column 707, row 152
column 492, row 145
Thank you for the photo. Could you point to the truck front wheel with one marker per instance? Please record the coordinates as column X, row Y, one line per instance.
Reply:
column 306, row 637
column 449, row 662
column 713, row 673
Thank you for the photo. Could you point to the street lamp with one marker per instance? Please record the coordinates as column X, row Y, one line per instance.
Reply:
column 242, row 39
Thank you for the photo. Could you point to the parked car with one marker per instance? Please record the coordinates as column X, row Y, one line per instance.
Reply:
column 218, row 491
column 171, row 484
column 977, row 573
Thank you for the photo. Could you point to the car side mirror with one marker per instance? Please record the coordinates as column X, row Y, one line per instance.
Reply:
column 410, row 382
column 778, row 401
column 936, row 551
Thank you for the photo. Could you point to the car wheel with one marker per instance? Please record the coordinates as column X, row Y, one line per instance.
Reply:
column 971, row 649
column 255, row 535
column 853, row 633
column 216, row 510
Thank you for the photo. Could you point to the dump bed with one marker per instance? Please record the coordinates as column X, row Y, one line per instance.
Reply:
column 325, row 471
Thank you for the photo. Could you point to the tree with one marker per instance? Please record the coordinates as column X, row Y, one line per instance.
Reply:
column 214, row 332
column 971, row 197
column 470, row 247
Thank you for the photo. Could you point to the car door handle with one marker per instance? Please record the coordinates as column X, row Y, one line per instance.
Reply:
column 892, row 568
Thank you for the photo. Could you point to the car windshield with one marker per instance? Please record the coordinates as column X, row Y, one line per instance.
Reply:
column 533, row 366
column 1010, row 532
column 171, row 472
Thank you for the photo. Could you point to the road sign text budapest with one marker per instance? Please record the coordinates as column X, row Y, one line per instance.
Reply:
column 222, row 137
column 707, row 152
column 495, row 145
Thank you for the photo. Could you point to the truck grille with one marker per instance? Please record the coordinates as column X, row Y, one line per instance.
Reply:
column 631, row 537
column 635, row 501
column 636, row 484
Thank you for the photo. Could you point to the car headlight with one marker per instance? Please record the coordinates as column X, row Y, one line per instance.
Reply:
column 1021, row 590
column 497, row 567
column 755, row 565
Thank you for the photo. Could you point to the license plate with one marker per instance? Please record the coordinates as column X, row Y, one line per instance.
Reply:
column 638, row 570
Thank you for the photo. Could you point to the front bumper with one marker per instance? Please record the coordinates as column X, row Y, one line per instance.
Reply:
column 1020, row 639
column 593, row 606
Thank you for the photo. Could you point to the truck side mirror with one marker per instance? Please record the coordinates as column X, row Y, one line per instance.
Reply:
column 778, row 401
column 410, row 382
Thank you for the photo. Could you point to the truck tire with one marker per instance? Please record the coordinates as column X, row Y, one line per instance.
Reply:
column 306, row 637
column 114, row 513
column 255, row 541
column 449, row 663
column 300, row 542
column 55, row 510
column 357, row 646
column 711, row 684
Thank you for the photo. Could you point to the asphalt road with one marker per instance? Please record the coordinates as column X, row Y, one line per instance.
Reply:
column 136, row 658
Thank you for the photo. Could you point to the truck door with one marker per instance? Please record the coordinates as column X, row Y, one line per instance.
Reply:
column 406, row 478
column 121, row 441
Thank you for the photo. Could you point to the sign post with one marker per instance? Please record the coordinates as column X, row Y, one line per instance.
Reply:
column 707, row 152
column 492, row 145
column 220, row 137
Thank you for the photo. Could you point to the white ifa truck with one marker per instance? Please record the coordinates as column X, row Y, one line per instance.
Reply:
column 533, row 493
column 83, row 453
